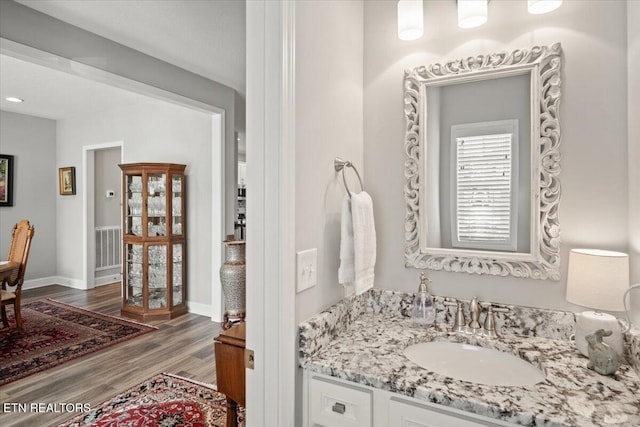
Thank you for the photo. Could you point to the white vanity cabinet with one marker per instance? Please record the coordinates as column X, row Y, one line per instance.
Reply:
column 332, row 402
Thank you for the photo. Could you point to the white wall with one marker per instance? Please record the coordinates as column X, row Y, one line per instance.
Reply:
column 328, row 121
column 633, row 99
column 152, row 131
column 593, row 113
column 32, row 140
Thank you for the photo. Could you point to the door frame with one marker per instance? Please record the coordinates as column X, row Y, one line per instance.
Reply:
column 271, row 327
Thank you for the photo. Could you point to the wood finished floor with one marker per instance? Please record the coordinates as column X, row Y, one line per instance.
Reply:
column 182, row 346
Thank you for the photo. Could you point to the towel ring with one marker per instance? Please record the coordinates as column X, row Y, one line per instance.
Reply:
column 341, row 165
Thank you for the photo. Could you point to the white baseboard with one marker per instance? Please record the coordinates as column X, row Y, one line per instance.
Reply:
column 107, row 280
column 69, row 282
column 199, row 308
column 54, row 280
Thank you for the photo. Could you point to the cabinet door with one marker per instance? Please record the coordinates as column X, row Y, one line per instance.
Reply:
column 177, row 204
column 156, row 204
column 410, row 414
column 157, row 275
column 133, row 275
column 336, row 405
column 133, row 205
column 178, row 274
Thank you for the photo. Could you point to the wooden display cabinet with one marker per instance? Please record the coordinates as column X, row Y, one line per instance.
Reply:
column 154, row 249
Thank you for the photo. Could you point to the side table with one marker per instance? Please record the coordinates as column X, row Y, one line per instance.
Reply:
column 229, row 350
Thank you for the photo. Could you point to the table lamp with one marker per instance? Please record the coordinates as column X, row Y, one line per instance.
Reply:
column 597, row 279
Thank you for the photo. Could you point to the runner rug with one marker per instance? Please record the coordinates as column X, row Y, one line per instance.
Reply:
column 165, row 400
column 55, row 333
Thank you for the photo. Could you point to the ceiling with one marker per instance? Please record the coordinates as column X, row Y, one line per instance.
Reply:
column 206, row 37
column 55, row 94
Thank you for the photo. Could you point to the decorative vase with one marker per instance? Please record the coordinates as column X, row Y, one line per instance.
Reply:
column 233, row 279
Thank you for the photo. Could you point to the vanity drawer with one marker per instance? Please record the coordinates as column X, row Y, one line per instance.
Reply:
column 406, row 413
column 334, row 404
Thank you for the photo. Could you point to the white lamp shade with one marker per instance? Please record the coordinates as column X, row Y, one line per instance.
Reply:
column 472, row 13
column 537, row 7
column 410, row 25
column 597, row 279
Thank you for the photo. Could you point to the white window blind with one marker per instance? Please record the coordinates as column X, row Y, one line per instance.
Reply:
column 484, row 202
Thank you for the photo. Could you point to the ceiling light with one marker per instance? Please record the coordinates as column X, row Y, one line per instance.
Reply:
column 472, row 13
column 410, row 25
column 14, row 99
column 537, row 7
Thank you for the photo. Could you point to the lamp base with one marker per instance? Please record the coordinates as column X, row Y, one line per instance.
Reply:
column 588, row 322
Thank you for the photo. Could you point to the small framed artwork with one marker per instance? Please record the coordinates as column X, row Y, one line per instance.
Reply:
column 67, row 178
column 6, row 180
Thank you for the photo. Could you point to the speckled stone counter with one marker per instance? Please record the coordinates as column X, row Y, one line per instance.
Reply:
column 361, row 339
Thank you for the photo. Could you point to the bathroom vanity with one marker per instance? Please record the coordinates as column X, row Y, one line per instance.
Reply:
column 355, row 372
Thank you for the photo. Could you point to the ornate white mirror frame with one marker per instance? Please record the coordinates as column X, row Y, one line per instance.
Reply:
column 543, row 259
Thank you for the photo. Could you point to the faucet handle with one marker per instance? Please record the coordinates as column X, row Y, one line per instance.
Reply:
column 490, row 324
column 490, row 321
column 461, row 323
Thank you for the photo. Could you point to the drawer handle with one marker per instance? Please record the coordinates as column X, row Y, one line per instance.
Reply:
column 338, row 407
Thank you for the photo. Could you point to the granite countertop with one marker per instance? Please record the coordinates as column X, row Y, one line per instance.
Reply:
column 367, row 349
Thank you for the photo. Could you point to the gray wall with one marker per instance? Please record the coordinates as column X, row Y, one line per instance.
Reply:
column 593, row 211
column 107, row 177
column 328, row 122
column 32, row 140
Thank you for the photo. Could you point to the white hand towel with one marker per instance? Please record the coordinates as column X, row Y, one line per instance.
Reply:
column 357, row 244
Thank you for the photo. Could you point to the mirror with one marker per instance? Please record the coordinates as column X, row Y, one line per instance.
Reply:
column 482, row 164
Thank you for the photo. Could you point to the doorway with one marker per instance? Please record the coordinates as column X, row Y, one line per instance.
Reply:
column 210, row 169
column 98, row 168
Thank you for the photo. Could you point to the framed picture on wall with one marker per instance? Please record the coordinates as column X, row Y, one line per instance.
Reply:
column 67, row 178
column 6, row 180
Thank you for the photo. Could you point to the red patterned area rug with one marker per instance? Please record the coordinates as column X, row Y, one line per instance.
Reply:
column 165, row 400
column 55, row 333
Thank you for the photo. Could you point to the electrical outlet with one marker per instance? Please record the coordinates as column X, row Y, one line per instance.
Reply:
column 306, row 269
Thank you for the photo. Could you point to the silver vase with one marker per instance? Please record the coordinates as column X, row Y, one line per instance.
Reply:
column 233, row 279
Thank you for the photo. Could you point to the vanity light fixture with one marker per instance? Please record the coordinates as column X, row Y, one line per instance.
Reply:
column 410, row 25
column 597, row 279
column 14, row 99
column 538, row 7
column 472, row 13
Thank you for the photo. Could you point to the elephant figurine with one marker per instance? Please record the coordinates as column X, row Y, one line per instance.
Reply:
column 602, row 358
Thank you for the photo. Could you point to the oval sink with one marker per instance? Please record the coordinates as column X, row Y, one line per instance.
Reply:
column 474, row 364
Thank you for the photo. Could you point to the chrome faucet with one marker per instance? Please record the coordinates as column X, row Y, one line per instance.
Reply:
column 474, row 327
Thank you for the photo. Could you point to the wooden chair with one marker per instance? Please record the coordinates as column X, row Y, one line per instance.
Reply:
column 18, row 252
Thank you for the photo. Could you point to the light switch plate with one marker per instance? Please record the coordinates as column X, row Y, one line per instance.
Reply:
column 306, row 269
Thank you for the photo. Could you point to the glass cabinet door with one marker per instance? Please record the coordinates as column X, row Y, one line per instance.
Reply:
column 176, row 284
column 176, row 204
column 157, row 276
column 134, row 274
column 156, row 205
column 133, row 205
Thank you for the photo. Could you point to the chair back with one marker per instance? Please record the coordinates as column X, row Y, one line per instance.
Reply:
column 19, row 250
